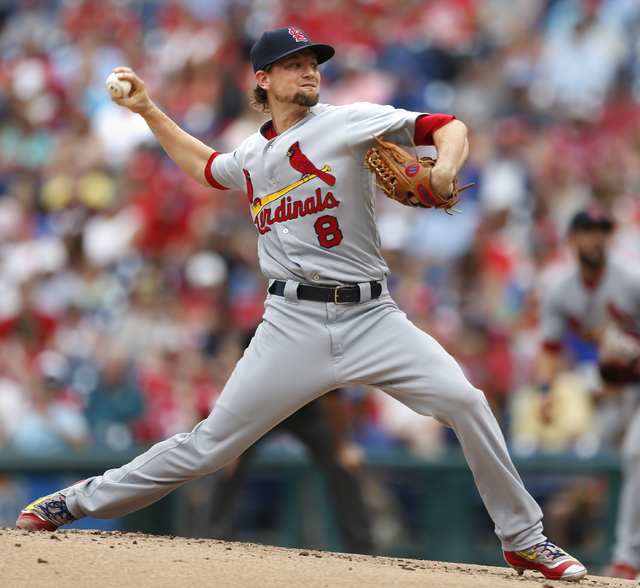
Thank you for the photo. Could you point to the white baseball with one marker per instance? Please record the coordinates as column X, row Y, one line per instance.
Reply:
column 118, row 88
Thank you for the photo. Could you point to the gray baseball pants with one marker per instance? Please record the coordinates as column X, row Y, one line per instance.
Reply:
column 301, row 350
column 627, row 546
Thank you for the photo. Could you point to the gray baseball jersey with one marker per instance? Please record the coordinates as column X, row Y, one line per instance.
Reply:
column 312, row 200
column 570, row 303
column 313, row 203
column 615, row 298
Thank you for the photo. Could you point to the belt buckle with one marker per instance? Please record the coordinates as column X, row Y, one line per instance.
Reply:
column 335, row 295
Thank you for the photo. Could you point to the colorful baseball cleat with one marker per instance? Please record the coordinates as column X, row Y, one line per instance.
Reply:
column 548, row 559
column 46, row 514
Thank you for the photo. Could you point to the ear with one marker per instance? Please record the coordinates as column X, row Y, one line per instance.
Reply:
column 262, row 79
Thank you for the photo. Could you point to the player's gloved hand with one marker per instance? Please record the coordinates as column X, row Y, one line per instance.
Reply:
column 412, row 181
column 619, row 356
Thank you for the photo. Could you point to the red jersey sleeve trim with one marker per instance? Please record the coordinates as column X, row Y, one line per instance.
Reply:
column 552, row 346
column 209, row 176
column 427, row 124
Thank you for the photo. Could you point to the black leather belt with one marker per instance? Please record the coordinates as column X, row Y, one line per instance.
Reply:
column 338, row 295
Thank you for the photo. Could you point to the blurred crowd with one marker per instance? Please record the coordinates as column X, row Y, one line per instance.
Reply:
column 127, row 289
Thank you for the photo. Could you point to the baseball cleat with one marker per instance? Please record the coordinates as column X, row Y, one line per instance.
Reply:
column 46, row 514
column 548, row 559
column 620, row 570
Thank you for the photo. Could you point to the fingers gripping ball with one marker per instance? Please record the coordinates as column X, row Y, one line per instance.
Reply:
column 118, row 88
column 402, row 176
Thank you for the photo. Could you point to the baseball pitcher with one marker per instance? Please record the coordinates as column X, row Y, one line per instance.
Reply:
column 328, row 309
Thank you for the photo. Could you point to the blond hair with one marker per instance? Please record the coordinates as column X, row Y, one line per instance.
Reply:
column 258, row 96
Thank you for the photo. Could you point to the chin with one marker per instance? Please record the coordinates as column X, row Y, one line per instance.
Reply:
column 305, row 99
column 593, row 262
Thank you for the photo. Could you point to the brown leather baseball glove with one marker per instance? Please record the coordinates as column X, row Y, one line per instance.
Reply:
column 402, row 176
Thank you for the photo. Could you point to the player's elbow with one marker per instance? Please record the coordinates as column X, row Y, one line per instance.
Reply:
column 459, row 126
column 201, row 179
column 455, row 133
column 463, row 132
column 454, row 127
column 200, row 168
column 198, row 175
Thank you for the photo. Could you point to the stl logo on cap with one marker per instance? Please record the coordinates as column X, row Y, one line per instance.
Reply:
column 298, row 35
column 596, row 214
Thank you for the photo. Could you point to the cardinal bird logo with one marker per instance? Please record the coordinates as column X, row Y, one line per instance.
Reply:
column 301, row 163
column 247, row 177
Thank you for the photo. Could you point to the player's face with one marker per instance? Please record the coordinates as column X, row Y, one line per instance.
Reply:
column 591, row 246
column 295, row 79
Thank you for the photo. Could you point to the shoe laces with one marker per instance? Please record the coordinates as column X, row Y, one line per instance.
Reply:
column 56, row 511
column 549, row 549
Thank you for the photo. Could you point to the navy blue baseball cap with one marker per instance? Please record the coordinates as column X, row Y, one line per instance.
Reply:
column 274, row 45
column 592, row 218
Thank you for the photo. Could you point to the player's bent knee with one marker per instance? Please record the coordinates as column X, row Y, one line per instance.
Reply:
column 469, row 399
column 462, row 404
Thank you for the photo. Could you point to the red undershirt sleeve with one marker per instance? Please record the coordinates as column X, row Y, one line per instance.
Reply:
column 427, row 124
column 209, row 176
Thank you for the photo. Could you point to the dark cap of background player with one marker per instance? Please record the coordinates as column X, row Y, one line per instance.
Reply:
column 274, row 45
column 591, row 218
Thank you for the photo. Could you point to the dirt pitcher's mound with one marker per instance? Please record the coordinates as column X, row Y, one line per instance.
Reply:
column 91, row 559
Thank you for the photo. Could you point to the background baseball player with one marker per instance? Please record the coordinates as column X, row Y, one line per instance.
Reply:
column 600, row 299
column 329, row 320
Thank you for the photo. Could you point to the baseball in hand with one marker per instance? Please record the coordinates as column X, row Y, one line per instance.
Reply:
column 118, row 88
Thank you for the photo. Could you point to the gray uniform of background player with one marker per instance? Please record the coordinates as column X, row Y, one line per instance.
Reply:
column 304, row 348
column 616, row 298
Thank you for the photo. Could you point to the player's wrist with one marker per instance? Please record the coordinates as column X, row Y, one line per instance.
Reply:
column 148, row 110
column 445, row 169
column 442, row 179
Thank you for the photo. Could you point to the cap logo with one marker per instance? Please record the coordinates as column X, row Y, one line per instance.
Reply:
column 298, row 35
column 595, row 214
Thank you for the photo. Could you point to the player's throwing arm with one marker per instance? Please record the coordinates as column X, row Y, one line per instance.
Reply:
column 189, row 153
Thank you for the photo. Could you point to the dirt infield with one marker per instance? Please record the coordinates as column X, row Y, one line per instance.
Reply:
column 91, row 559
